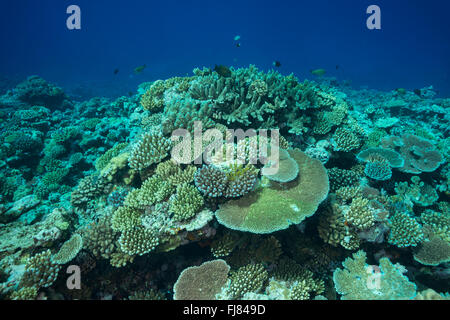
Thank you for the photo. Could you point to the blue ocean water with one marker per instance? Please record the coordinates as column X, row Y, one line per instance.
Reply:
column 172, row 37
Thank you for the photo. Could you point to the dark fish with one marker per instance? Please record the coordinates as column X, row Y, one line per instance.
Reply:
column 130, row 94
column 116, row 71
column 277, row 64
column 238, row 45
column 418, row 92
column 318, row 72
column 337, row 67
column 223, row 71
column 140, row 69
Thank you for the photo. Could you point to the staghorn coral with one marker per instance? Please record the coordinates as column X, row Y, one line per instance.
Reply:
column 183, row 112
column 342, row 178
column 359, row 281
column 378, row 169
column 223, row 246
column 88, row 188
column 105, row 158
column 125, row 218
column 153, row 98
column 153, row 190
column 203, row 282
column 347, row 193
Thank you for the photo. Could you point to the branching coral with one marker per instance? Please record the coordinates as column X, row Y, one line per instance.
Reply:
column 418, row 192
column 345, row 140
column 359, row 281
column 405, row 230
column 360, row 214
column 249, row 278
column 211, row 181
column 40, row 270
column 150, row 149
column 138, row 241
column 233, row 182
column 186, row 202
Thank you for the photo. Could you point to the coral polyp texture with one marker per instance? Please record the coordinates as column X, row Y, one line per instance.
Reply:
column 300, row 189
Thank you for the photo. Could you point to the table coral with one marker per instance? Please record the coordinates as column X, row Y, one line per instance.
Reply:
column 275, row 208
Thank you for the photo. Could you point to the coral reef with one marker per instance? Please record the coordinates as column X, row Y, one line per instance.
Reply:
column 362, row 178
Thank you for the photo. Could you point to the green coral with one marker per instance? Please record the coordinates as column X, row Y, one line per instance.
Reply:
column 249, row 278
column 405, row 230
column 345, row 140
column 359, row 281
column 151, row 148
column 276, row 207
column 433, row 252
column 186, row 202
column 105, row 158
column 138, row 241
column 69, row 250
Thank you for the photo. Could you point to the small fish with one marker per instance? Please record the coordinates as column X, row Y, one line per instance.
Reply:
column 337, row 67
column 318, row 72
column 401, row 90
column 140, row 69
column 276, row 64
column 238, row 45
column 237, row 38
column 116, row 71
column 418, row 92
column 130, row 93
column 223, row 71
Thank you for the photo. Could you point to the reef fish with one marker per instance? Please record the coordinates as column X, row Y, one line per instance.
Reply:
column 223, row 71
column 276, row 64
column 318, row 72
column 140, row 69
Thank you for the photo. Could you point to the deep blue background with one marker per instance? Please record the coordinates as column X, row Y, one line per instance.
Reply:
column 172, row 37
